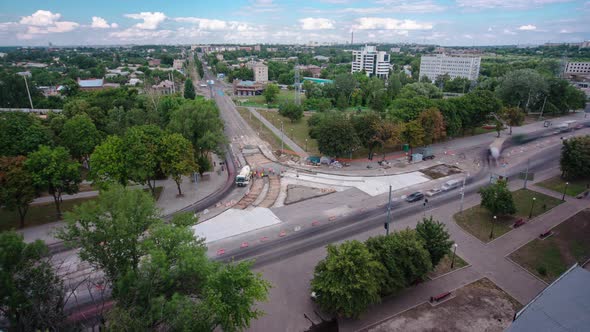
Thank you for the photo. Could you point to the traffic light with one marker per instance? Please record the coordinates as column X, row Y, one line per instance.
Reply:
column 386, row 226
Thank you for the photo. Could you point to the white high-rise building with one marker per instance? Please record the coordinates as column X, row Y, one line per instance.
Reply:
column 373, row 62
column 433, row 66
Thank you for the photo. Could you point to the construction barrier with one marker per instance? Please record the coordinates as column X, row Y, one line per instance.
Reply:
column 282, row 233
column 315, row 223
column 264, row 238
column 244, row 245
column 332, row 218
column 220, row 252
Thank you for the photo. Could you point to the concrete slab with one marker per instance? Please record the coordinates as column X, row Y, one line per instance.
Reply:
column 373, row 186
column 234, row 222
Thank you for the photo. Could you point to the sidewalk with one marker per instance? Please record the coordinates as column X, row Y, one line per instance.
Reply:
column 168, row 202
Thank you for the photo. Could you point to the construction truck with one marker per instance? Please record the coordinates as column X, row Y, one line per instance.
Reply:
column 243, row 179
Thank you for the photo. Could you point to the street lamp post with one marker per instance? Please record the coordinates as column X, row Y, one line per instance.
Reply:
column 306, row 145
column 532, row 207
column 564, row 190
column 454, row 253
column 282, row 138
column 492, row 231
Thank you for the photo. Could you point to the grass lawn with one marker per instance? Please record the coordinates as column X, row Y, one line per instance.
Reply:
column 477, row 220
column 444, row 266
column 265, row 133
column 297, row 131
column 38, row 214
column 259, row 101
column 523, row 199
column 550, row 257
column 557, row 184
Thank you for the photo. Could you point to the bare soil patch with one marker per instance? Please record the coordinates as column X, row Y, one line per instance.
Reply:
column 480, row 306
column 440, row 171
column 297, row 193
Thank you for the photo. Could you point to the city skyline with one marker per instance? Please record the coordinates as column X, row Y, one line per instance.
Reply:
column 453, row 23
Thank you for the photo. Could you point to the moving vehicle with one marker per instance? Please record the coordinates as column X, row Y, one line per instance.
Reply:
column 413, row 197
column 433, row 191
column 452, row 184
column 566, row 125
column 243, row 179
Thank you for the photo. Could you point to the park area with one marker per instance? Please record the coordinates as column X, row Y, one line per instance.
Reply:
column 550, row 257
column 444, row 266
column 259, row 101
column 478, row 221
column 479, row 306
column 558, row 184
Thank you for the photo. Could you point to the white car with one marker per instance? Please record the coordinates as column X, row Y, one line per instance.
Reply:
column 433, row 191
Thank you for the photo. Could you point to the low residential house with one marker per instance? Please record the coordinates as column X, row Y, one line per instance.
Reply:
column 91, row 84
column 219, row 56
column 49, row 90
column 247, row 88
column 154, row 62
column 134, row 82
column 165, row 87
column 321, row 58
column 178, row 64
column 314, row 70
column 25, row 74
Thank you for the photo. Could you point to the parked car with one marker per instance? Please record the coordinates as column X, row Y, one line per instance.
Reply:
column 433, row 191
column 413, row 197
column 452, row 184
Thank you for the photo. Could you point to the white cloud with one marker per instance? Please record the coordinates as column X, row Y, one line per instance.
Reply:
column 509, row 32
column 151, row 20
column 40, row 18
column 311, row 23
column 514, row 4
column 101, row 23
column 215, row 25
column 528, row 27
column 261, row 6
column 137, row 34
column 379, row 23
column 43, row 22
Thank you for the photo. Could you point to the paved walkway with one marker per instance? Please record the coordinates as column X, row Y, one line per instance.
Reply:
column 168, row 202
column 289, row 142
column 486, row 260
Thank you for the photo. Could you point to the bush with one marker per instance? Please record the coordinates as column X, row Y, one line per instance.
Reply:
column 542, row 270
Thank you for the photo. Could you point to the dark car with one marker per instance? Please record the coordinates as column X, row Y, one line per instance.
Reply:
column 417, row 196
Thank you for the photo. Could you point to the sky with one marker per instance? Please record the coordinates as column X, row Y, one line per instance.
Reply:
column 442, row 22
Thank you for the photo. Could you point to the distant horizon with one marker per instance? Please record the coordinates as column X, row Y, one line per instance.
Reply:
column 444, row 22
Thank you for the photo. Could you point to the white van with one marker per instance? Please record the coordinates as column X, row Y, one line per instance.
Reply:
column 452, row 184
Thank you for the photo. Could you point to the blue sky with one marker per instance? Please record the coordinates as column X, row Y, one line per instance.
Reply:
column 444, row 22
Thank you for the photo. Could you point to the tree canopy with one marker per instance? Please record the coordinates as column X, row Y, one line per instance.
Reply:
column 497, row 198
column 575, row 157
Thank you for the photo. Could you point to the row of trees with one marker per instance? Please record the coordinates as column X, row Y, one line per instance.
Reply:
column 145, row 138
column 355, row 275
column 159, row 274
column 575, row 158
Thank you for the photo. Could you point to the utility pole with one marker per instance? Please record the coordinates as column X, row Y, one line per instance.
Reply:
column 543, row 108
column 388, row 213
column 28, row 92
column 282, row 138
column 462, row 194
column 526, row 173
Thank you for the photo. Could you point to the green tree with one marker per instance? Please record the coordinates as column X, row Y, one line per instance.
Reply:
column 433, row 123
column 436, row 238
column 413, row 134
column 270, row 93
column 364, row 126
column 143, row 154
column 80, row 136
column 21, row 133
column 426, row 90
column 291, row 111
column 513, row 116
column 109, row 230
column 336, row 136
column 54, row 171
column 345, row 84
column 107, row 163
column 189, row 89
column 347, row 281
column 497, row 198
column 32, row 294
column 178, row 158
column 575, row 157
column 522, row 88
column 17, row 190
column 394, row 85
column 204, row 164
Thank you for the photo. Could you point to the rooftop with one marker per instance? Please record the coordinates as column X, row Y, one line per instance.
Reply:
column 562, row 306
column 92, row 83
